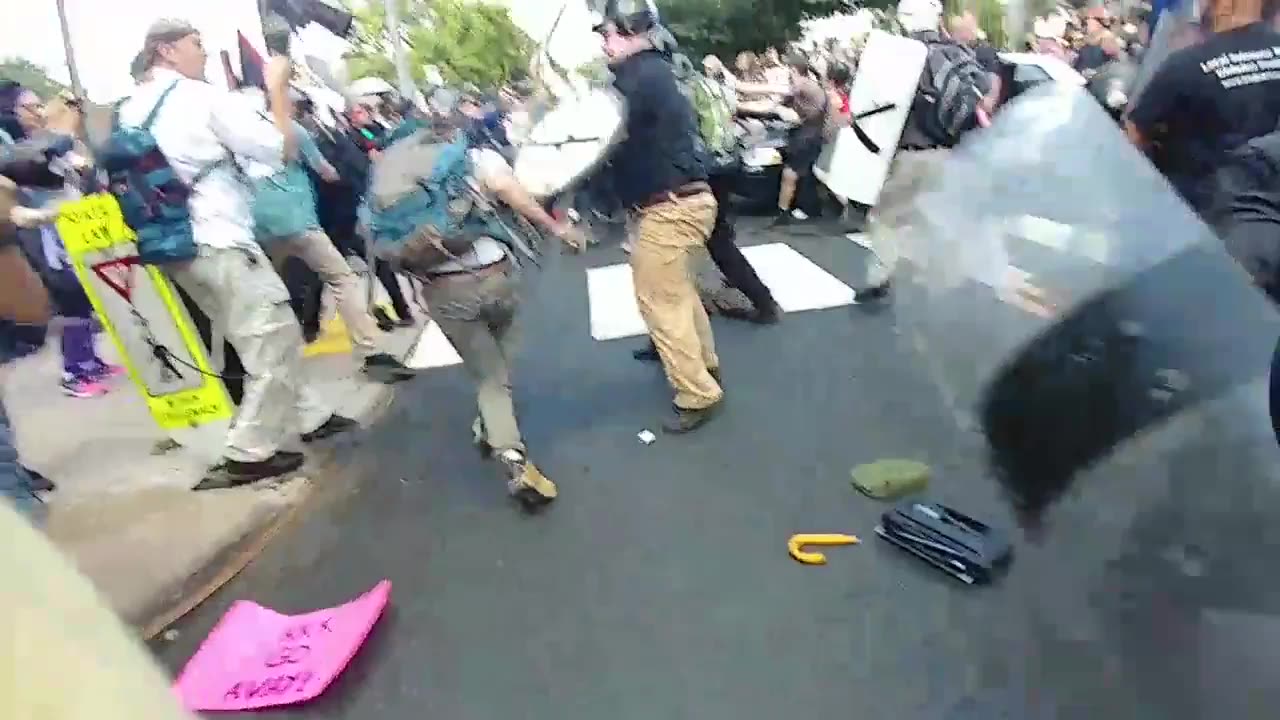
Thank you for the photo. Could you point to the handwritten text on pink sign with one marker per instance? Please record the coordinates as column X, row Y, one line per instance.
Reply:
column 256, row 657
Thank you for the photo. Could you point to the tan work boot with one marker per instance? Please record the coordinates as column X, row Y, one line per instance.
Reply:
column 526, row 483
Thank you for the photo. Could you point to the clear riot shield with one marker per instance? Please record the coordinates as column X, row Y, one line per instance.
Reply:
column 1179, row 26
column 1075, row 313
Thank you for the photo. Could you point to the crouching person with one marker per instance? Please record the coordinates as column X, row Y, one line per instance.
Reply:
column 447, row 229
column 177, row 124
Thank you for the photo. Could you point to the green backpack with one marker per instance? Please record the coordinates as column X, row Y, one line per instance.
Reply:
column 715, row 115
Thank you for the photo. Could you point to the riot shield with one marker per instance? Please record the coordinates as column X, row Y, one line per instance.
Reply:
column 1114, row 359
column 1056, row 277
column 1179, row 27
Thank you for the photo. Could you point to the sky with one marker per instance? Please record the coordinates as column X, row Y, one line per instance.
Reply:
column 107, row 34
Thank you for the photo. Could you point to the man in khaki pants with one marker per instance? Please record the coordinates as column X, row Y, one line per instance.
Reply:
column 659, row 173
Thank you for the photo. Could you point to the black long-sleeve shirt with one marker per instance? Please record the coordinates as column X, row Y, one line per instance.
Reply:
column 660, row 151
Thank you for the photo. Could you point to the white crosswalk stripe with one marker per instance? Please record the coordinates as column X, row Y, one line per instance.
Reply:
column 432, row 350
column 796, row 282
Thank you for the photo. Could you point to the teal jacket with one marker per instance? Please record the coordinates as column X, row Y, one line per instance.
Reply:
column 284, row 204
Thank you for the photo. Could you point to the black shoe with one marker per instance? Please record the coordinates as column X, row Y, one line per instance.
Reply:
column 686, row 420
column 387, row 367
column 385, row 323
column 875, row 293
column 234, row 473
column 782, row 219
column 648, row 354
column 333, row 426
column 406, row 321
column 309, row 334
column 768, row 315
column 39, row 483
column 760, row 316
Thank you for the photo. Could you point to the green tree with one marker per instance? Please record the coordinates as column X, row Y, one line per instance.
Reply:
column 469, row 42
column 726, row 27
column 30, row 75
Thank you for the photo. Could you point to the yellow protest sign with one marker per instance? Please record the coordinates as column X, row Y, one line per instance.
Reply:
column 142, row 313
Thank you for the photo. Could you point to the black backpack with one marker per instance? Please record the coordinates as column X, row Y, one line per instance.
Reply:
column 952, row 85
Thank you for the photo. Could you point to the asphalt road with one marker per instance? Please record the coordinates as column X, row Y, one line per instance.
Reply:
column 659, row 585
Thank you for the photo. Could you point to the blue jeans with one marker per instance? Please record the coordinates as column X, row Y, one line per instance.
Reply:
column 15, row 484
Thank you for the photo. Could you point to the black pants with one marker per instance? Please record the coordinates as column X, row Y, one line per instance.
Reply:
column 725, row 253
column 233, row 371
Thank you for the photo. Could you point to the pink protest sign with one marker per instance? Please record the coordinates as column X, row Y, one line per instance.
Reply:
column 256, row 657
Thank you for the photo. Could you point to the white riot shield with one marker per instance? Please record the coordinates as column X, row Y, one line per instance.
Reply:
column 566, row 141
column 855, row 165
column 1114, row 358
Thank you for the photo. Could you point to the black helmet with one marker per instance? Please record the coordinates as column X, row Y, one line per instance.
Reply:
column 630, row 17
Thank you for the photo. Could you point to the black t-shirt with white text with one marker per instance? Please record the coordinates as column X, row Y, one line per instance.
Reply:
column 1208, row 99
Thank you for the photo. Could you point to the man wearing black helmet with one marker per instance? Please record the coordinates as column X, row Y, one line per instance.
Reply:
column 659, row 175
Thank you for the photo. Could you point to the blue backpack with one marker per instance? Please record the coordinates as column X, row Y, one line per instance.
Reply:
column 153, row 199
column 418, row 221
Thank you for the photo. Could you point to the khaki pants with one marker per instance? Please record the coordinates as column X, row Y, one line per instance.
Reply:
column 320, row 254
column 477, row 312
column 896, row 212
column 246, row 300
column 670, row 237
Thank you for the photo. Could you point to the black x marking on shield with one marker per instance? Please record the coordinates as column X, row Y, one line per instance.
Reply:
column 862, row 135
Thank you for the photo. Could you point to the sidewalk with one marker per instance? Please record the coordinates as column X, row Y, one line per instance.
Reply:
column 124, row 510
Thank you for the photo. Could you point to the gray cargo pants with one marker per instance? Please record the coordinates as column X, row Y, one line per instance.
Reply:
column 477, row 312
column 239, row 290
column 896, row 212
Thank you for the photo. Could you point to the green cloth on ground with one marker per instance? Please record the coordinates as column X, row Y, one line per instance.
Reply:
column 891, row 478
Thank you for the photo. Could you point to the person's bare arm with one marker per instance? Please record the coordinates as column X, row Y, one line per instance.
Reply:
column 510, row 191
column 279, row 71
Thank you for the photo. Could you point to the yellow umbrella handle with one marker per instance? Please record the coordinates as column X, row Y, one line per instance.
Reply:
column 796, row 545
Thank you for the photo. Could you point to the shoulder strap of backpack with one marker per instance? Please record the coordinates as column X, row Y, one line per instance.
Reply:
column 155, row 111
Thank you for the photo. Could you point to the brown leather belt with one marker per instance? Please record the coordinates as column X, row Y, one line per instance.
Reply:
column 684, row 191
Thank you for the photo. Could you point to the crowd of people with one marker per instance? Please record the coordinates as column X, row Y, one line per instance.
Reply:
column 283, row 179
column 278, row 187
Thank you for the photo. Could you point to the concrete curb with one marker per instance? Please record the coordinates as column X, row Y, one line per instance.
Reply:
column 230, row 529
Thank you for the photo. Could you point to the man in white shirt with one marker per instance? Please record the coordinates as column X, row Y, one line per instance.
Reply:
column 202, row 130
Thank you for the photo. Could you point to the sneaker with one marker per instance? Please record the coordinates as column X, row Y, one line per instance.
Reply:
column 526, row 483
column 108, row 371
column 782, row 219
column 86, row 387
column 687, row 420
column 336, row 424
column 234, row 473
